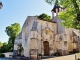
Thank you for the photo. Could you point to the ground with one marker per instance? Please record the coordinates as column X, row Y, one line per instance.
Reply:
column 68, row 57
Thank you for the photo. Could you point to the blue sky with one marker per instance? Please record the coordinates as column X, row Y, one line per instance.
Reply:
column 17, row 11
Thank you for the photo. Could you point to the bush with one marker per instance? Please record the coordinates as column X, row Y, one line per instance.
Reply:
column 57, row 54
column 78, row 59
column 40, row 54
column 2, row 55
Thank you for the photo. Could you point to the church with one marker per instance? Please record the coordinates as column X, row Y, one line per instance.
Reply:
column 47, row 37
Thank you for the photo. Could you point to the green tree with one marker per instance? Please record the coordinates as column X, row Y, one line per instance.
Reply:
column 5, row 43
column 44, row 16
column 5, row 47
column 12, row 31
column 71, row 15
column 1, row 44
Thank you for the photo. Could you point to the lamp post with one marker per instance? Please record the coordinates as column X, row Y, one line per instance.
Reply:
column 1, row 5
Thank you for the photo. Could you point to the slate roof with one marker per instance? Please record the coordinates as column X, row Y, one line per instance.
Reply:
column 19, row 36
column 56, row 7
column 76, row 32
column 34, row 27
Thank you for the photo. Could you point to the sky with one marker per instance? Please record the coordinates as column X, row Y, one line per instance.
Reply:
column 16, row 11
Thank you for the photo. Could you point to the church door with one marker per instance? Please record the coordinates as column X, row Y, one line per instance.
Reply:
column 46, row 48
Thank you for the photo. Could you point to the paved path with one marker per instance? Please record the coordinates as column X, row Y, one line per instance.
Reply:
column 69, row 57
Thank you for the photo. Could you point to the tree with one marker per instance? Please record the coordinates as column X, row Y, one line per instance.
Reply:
column 44, row 16
column 1, row 44
column 5, row 43
column 12, row 31
column 4, row 47
column 71, row 16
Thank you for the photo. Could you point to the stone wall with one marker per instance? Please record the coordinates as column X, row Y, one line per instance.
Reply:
column 8, row 54
column 60, row 28
column 46, row 31
column 33, row 36
column 26, row 31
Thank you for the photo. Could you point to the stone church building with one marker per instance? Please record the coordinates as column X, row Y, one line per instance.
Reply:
column 47, row 37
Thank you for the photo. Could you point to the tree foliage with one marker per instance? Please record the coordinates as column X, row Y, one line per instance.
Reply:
column 69, row 16
column 1, row 44
column 4, row 48
column 12, row 31
column 44, row 16
column 2, row 55
column 5, row 43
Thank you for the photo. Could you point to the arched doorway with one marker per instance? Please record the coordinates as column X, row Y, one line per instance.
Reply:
column 46, row 48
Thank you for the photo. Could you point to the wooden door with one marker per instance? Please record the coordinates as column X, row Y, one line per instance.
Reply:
column 46, row 48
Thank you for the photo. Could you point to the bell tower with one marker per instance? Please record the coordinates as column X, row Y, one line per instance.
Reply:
column 56, row 9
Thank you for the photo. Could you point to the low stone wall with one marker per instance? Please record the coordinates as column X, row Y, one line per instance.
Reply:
column 8, row 54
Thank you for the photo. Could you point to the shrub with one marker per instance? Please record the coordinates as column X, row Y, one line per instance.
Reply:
column 78, row 59
column 2, row 55
column 56, row 54
column 40, row 54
